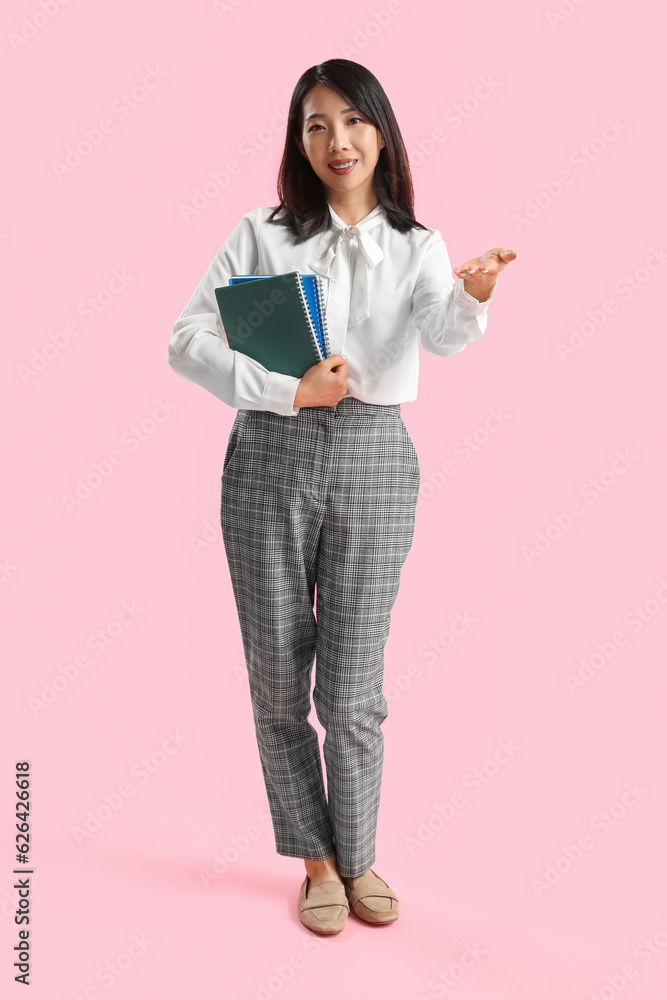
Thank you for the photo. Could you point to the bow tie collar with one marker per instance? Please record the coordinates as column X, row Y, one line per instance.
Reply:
column 355, row 247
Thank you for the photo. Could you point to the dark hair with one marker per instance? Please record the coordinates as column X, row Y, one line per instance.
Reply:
column 301, row 192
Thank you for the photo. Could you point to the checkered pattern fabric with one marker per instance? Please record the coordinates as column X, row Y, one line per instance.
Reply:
column 317, row 515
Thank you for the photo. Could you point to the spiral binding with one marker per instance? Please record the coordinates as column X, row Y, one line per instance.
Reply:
column 309, row 316
column 319, row 291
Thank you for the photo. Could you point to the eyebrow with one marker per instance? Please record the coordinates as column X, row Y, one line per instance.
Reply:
column 316, row 114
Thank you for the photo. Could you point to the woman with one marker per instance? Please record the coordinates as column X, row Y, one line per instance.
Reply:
column 320, row 477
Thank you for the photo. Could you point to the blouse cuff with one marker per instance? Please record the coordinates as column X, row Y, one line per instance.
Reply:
column 470, row 303
column 279, row 393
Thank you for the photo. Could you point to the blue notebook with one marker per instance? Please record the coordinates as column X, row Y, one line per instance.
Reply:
column 312, row 286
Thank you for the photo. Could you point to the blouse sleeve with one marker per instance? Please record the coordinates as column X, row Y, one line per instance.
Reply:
column 198, row 351
column 446, row 317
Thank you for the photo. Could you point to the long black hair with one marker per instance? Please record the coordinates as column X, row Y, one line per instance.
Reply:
column 302, row 195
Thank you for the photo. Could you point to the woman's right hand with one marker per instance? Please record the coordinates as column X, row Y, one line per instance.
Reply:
column 324, row 384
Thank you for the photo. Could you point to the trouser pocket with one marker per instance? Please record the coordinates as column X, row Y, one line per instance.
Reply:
column 236, row 436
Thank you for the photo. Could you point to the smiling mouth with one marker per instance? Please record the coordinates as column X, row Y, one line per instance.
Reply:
column 342, row 168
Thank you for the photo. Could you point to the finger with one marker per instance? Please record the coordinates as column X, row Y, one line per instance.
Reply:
column 504, row 253
column 468, row 267
column 474, row 267
column 488, row 264
column 484, row 264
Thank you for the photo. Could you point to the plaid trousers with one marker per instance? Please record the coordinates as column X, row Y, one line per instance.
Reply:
column 317, row 516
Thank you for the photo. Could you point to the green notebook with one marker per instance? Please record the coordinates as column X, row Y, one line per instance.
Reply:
column 269, row 319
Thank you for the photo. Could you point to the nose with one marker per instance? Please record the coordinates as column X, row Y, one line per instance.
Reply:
column 337, row 140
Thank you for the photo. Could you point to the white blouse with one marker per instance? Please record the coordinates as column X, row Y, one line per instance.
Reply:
column 386, row 292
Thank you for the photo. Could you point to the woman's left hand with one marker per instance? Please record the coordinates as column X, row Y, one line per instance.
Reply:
column 480, row 273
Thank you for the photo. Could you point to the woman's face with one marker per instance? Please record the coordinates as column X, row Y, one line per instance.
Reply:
column 332, row 131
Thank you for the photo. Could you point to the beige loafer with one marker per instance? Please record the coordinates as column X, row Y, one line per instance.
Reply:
column 361, row 891
column 323, row 908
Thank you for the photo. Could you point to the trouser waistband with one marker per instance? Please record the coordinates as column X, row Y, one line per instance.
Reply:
column 351, row 405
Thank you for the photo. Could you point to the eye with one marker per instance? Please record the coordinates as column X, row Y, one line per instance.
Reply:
column 354, row 118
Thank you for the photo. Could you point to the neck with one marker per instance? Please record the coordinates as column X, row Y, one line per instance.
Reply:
column 352, row 210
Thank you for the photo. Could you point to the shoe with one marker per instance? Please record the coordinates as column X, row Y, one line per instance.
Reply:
column 323, row 908
column 360, row 892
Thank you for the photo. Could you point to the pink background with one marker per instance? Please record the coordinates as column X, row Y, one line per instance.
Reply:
column 147, row 537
